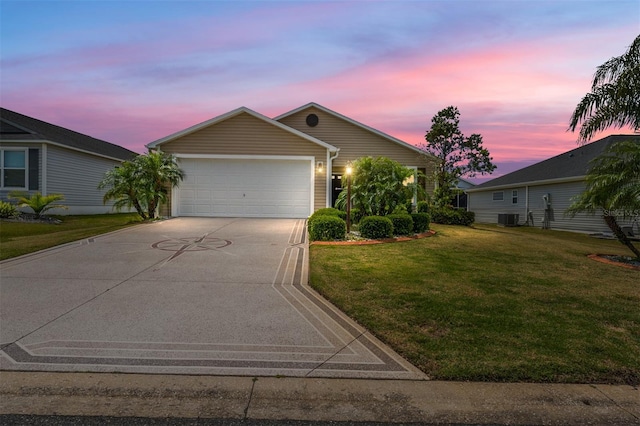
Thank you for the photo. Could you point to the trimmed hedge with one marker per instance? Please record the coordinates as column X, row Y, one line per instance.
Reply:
column 421, row 222
column 402, row 224
column 423, row 207
column 447, row 216
column 376, row 227
column 326, row 228
column 329, row 211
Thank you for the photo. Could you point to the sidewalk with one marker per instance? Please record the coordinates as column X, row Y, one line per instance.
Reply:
column 435, row 402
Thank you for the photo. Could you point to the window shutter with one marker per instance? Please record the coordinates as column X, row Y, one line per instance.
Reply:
column 34, row 169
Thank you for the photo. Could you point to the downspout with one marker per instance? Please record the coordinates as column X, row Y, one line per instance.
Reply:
column 43, row 170
column 526, row 204
column 329, row 189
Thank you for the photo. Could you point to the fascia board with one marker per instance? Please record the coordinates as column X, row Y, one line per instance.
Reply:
column 234, row 113
column 48, row 142
column 529, row 183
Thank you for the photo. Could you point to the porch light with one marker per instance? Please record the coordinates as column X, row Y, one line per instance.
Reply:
column 319, row 166
column 348, row 171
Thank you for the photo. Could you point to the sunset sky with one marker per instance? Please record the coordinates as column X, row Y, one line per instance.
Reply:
column 131, row 72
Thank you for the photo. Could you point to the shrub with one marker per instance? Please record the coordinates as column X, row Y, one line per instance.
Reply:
column 421, row 222
column 448, row 216
column 37, row 202
column 329, row 211
column 423, row 207
column 327, row 228
column 402, row 224
column 376, row 227
column 7, row 210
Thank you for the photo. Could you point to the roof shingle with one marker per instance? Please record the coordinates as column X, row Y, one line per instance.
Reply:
column 574, row 163
column 18, row 127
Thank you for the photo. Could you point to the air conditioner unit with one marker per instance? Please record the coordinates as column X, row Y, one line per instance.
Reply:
column 508, row 219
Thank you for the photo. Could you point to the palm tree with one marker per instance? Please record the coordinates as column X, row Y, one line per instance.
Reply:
column 379, row 186
column 156, row 173
column 142, row 183
column 37, row 202
column 613, row 185
column 121, row 184
column 614, row 99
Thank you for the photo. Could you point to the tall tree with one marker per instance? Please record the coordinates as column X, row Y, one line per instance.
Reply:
column 613, row 182
column 613, row 186
column 458, row 155
column 614, row 99
column 142, row 183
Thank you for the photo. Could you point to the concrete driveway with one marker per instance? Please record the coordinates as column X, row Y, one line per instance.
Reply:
column 183, row 296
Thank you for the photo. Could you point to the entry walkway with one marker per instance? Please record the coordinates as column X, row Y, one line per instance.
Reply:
column 183, row 296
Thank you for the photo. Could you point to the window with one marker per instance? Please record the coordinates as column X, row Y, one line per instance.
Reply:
column 514, row 196
column 13, row 164
column 498, row 196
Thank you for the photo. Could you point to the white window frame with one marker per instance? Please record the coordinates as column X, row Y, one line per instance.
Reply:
column 514, row 196
column 25, row 151
column 494, row 198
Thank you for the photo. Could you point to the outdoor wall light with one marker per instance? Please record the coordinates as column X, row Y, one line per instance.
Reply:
column 348, row 171
column 319, row 166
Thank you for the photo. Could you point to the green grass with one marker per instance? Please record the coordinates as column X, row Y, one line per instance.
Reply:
column 493, row 304
column 18, row 238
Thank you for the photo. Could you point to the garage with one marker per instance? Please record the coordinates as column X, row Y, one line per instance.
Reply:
column 245, row 187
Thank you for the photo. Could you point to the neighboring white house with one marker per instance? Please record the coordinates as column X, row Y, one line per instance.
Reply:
column 460, row 200
column 540, row 194
column 39, row 156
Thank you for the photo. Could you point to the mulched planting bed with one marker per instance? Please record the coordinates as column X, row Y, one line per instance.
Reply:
column 367, row 242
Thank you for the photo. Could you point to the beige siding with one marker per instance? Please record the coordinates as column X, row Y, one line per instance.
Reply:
column 247, row 135
column 354, row 141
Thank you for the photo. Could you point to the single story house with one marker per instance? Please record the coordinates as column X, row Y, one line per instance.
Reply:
column 39, row 156
column 244, row 164
column 460, row 200
column 539, row 195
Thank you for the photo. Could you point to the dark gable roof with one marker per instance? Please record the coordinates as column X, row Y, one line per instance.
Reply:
column 18, row 127
column 574, row 163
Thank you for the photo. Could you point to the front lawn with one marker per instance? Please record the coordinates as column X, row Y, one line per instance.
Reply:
column 493, row 304
column 18, row 238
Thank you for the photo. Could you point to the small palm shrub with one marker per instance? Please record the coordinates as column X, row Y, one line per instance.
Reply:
column 37, row 202
column 326, row 228
column 421, row 222
column 7, row 210
column 402, row 224
column 376, row 227
column 423, row 207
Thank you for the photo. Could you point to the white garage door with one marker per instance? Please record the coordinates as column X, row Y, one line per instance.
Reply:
column 244, row 188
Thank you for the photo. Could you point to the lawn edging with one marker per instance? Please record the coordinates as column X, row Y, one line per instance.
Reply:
column 602, row 259
column 368, row 242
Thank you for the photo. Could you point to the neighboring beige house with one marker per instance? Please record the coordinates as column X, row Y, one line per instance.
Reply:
column 244, row 164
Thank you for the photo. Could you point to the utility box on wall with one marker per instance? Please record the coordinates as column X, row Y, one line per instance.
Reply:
column 508, row 219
